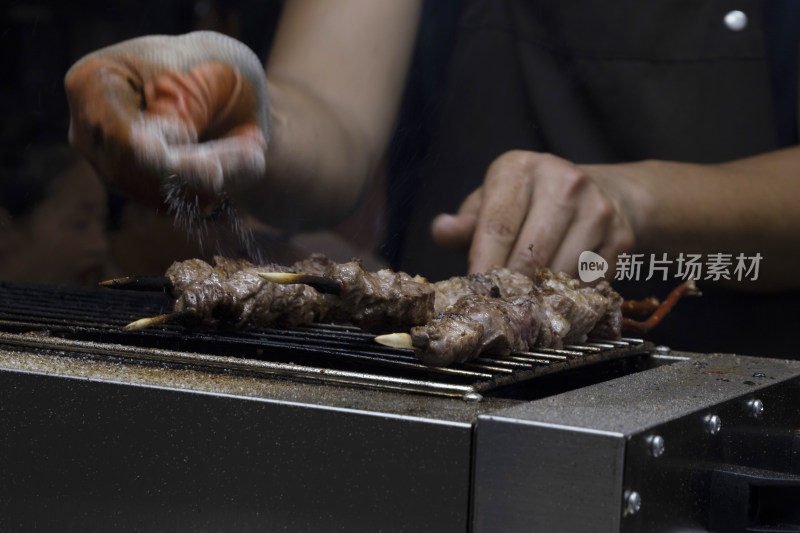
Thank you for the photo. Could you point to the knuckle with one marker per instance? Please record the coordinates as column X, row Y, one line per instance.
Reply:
column 500, row 229
column 574, row 181
column 526, row 261
column 520, row 161
column 603, row 211
column 622, row 241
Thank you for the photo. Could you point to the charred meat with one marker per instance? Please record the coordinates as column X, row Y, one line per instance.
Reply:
column 232, row 292
column 477, row 324
column 379, row 301
column 509, row 312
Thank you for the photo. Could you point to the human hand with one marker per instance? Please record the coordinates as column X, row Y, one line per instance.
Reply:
column 537, row 210
column 185, row 112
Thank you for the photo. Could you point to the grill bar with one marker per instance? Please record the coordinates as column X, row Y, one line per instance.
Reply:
column 90, row 322
column 234, row 363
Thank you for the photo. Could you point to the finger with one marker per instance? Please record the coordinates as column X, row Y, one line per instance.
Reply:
column 472, row 203
column 171, row 94
column 102, row 99
column 229, row 163
column 596, row 215
column 540, row 237
column 619, row 239
column 566, row 212
column 506, row 198
column 212, row 96
column 454, row 232
column 166, row 147
column 558, row 186
column 585, row 234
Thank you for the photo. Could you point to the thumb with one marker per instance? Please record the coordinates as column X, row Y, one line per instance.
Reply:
column 454, row 232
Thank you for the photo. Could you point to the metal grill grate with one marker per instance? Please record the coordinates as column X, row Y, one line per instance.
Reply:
column 90, row 322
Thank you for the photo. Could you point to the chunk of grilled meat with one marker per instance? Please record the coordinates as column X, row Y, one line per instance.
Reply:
column 576, row 312
column 379, row 301
column 231, row 291
column 476, row 324
column 496, row 283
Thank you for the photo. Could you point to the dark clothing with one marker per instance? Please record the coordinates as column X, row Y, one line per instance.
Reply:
column 607, row 82
column 782, row 32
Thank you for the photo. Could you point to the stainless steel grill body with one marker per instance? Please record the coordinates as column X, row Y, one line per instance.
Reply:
column 97, row 437
column 86, row 455
column 676, row 448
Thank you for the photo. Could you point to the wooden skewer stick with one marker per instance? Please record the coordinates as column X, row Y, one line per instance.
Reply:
column 148, row 322
column 639, row 327
column 641, row 308
column 151, row 321
column 320, row 283
column 139, row 283
column 396, row 340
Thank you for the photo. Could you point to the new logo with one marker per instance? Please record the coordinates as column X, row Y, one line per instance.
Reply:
column 591, row 266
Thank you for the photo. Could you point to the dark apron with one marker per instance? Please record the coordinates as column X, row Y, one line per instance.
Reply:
column 606, row 82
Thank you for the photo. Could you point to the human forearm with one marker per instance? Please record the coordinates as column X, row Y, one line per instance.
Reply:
column 746, row 206
column 336, row 73
column 316, row 165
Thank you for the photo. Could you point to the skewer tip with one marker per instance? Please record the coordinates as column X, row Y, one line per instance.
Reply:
column 396, row 340
column 119, row 283
column 151, row 321
column 144, row 323
column 692, row 289
column 138, row 283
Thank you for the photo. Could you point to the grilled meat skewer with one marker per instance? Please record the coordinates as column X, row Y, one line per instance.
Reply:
column 480, row 324
column 232, row 291
column 452, row 320
column 572, row 310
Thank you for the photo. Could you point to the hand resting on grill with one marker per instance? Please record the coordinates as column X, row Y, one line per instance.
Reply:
column 539, row 210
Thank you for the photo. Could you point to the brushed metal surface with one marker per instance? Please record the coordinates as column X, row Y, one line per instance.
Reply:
column 543, row 477
column 84, row 455
column 565, row 462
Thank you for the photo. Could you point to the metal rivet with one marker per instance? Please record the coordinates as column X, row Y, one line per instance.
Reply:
column 472, row 397
column 756, row 407
column 736, row 20
column 656, row 443
column 713, row 424
column 663, row 350
column 633, row 502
